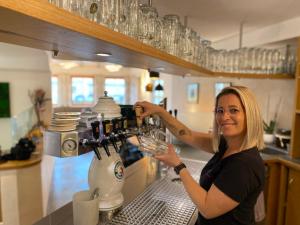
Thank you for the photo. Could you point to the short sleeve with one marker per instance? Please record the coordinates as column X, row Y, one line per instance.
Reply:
column 236, row 179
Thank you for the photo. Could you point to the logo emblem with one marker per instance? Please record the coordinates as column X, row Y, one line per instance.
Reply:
column 119, row 170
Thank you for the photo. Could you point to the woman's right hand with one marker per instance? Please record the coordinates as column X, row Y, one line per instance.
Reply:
column 148, row 108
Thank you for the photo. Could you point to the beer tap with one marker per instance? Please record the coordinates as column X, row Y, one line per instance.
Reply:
column 104, row 143
column 95, row 144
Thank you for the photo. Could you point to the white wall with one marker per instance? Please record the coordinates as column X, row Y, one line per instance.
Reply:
column 200, row 116
column 282, row 31
column 26, row 70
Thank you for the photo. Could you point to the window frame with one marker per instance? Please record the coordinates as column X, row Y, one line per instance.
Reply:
column 58, row 84
column 126, row 86
column 70, row 91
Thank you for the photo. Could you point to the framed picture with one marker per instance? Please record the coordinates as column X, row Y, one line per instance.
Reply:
column 193, row 93
column 220, row 85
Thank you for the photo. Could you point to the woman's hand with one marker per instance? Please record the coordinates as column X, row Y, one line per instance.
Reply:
column 170, row 158
column 148, row 108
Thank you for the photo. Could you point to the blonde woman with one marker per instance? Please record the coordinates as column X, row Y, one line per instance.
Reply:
column 233, row 178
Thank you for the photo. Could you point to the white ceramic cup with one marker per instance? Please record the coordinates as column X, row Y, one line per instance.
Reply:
column 85, row 209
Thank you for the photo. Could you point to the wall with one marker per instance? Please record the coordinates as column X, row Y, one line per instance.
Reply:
column 278, row 32
column 26, row 70
column 200, row 116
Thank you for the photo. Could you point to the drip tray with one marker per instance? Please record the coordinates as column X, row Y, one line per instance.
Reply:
column 164, row 202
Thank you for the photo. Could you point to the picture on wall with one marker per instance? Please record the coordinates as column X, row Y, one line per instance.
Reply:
column 220, row 85
column 193, row 93
column 4, row 100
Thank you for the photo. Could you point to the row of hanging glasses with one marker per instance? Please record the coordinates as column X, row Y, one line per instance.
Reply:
column 142, row 22
column 251, row 60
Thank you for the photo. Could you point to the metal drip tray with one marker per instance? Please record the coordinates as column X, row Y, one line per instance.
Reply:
column 164, row 202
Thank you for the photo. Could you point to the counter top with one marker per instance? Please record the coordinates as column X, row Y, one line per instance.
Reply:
column 283, row 159
column 18, row 164
column 35, row 158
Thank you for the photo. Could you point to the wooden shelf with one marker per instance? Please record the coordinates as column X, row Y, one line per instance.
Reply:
column 41, row 25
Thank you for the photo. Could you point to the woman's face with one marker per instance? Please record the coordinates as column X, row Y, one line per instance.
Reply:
column 230, row 116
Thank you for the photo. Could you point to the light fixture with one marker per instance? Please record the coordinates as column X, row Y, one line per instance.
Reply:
column 103, row 54
column 159, row 68
column 159, row 87
column 113, row 67
column 153, row 75
column 149, row 87
column 68, row 65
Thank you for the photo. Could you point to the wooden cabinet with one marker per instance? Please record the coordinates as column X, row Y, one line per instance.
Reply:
column 271, row 192
column 282, row 193
column 292, row 215
column 295, row 140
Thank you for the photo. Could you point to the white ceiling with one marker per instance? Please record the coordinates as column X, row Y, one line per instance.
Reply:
column 218, row 19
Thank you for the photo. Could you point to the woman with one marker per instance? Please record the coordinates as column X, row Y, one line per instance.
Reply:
column 234, row 177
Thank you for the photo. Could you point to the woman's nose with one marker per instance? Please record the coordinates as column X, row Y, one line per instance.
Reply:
column 225, row 115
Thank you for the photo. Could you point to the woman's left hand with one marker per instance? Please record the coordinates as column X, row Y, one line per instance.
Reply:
column 170, row 158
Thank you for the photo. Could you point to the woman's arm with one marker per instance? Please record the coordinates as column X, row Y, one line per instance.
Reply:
column 211, row 203
column 199, row 140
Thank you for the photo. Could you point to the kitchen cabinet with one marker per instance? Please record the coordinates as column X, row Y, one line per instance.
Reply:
column 292, row 216
column 271, row 191
column 39, row 24
column 295, row 140
column 282, row 192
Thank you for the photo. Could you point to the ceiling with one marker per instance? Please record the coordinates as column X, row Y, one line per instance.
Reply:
column 219, row 19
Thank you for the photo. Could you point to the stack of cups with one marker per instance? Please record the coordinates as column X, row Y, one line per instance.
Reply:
column 85, row 208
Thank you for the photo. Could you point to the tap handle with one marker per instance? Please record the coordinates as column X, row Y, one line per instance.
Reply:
column 170, row 112
column 97, row 153
column 175, row 113
column 104, row 144
column 138, row 112
column 113, row 139
column 93, row 144
column 96, row 129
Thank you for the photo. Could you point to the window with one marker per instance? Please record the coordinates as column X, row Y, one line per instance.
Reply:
column 220, row 85
column 115, row 88
column 157, row 96
column 82, row 90
column 54, row 90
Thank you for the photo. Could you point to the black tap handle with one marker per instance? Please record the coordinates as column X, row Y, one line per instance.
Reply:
column 97, row 153
column 93, row 144
column 113, row 140
column 170, row 111
column 96, row 129
column 104, row 144
column 175, row 113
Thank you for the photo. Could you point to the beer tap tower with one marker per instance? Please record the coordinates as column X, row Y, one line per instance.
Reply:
column 106, row 172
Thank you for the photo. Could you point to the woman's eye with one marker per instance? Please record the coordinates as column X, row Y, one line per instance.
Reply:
column 233, row 111
column 219, row 111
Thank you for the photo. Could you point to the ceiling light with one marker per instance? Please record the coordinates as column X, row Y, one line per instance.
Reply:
column 103, row 54
column 149, row 87
column 113, row 67
column 68, row 65
column 159, row 68
column 153, row 75
column 159, row 87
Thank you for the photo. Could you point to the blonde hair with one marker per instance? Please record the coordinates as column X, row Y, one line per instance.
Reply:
column 254, row 122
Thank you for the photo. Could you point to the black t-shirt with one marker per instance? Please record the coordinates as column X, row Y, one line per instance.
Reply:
column 241, row 177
